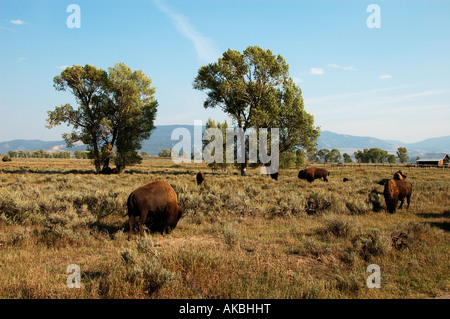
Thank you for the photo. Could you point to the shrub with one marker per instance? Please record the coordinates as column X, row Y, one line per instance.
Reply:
column 371, row 245
column 67, row 226
column 6, row 158
column 358, row 206
column 338, row 226
column 230, row 235
column 146, row 270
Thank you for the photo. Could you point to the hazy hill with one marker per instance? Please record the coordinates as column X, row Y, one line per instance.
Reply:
column 161, row 138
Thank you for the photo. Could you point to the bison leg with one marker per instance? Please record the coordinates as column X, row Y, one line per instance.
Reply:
column 142, row 220
column 325, row 179
column 401, row 203
column 130, row 225
column 408, row 200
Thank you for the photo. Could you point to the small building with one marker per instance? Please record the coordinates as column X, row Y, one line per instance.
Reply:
column 436, row 159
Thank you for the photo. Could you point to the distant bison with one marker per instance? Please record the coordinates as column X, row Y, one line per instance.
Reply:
column 345, row 179
column 157, row 207
column 312, row 173
column 200, row 178
column 396, row 190
column 108, row 170
column 274, row 176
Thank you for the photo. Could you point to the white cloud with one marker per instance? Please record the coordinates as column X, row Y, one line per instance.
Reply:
column 21, row 59
column 345, row 68
column 316, row 71
column 207, row 50
column 61, row 67
column 17, row 22
column 297, row 80
column 385, row 76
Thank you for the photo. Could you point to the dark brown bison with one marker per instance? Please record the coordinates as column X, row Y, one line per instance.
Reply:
column 312, row 173
column 157, row 207
column 274, row 176
column 108, row 170
column 200, row 178
column 396, row 190
column 345, row 179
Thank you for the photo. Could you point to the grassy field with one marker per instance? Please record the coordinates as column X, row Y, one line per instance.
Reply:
column 241, row 237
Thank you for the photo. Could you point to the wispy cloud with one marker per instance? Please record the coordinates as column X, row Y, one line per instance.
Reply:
column 17, row 22
column 21, row 59
column 385, row 76
column 345, row 68
column 61, row 67
column 316, row 71
column 206, row 49
column 297, row 80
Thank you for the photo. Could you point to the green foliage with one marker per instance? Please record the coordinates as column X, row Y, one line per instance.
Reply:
column 115, row 110
column 402, row 154
column 347, row 158
column 255, row 90
column 372, row 155
column 164, row 153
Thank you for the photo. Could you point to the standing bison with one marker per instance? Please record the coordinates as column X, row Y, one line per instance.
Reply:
column 157, row 207
column 400, row 176
column 200, row 178
column 396, row 190
column 312, row 173
column 274, row 176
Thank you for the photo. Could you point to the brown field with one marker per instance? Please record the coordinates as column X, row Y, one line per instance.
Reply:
column 242, row 237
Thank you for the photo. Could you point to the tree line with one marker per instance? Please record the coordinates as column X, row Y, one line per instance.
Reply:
column 116, row 109
column 45, row 154
column 371, row 155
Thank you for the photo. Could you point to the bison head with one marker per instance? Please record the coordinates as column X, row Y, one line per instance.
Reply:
column 399, row 175
column 302, row 174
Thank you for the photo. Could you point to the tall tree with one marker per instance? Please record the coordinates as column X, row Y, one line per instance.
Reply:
column 132, row 111
column 87, row 84
column 347, row 158
column 402, row 154
column 115, row 110
column 255, row 90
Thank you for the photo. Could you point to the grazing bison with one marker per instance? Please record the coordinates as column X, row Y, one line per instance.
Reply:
column 274, row 176
column 346, row 180
column 157, row 207
column 312, row 173
column 200, row 178
column 396, row 190
column 108, row 171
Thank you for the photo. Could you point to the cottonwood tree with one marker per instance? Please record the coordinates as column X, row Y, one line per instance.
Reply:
column 402, row 154
column 254, row 89
column 115, row 112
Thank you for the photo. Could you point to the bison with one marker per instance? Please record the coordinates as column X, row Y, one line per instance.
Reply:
column 157, row 207
column 274, row 176
column 400, row 176
column 200, row 178
column 312, row 173
column 396, row 190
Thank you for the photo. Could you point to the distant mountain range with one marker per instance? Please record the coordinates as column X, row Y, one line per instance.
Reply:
column 161, row 138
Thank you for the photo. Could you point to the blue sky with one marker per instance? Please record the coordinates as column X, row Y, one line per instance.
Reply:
column 391, row 82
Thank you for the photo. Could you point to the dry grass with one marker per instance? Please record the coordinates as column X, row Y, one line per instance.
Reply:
column 242, row 237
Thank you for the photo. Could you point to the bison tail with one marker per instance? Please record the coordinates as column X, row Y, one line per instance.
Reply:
column 130, row 205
